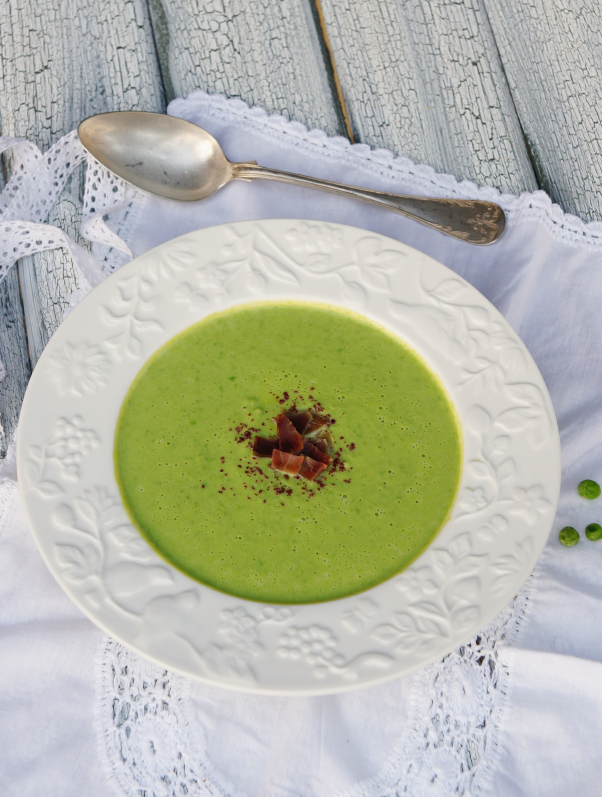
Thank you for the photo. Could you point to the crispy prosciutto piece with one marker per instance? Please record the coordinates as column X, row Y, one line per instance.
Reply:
column 263, row 446
column 323, row 440
column 317, row 423
column 290, row 440
column 287, row 463
column 313, row 451
column 304, row 447
column 310, row 468
column 322, row 445
column 300, row 420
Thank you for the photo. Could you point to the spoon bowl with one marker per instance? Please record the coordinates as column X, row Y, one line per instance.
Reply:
column 162, row 154
column 176, row 159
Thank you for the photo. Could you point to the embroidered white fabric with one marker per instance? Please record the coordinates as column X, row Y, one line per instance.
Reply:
column 143, row 727
column 148, row 735
column 423, row 178
column 449, row 747
column 36, row 182
column 457, row 706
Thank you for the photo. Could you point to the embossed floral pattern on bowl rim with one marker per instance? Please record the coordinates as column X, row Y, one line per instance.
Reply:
column 499, row 525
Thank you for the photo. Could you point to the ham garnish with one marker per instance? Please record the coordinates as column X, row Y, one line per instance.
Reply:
column 310, row 468
column 321, row 445
column 316, row 424
column 304, row 446
column 300, row 420
column 263, row 446
column 289, row 438
column 287, row 463
column 315, row 452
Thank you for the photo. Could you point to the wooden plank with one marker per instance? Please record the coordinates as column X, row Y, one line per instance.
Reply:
column 58, row 64
column 48, row 278
column 267, row 52
column 13, row 351
column 552, row 51
column 425, row 80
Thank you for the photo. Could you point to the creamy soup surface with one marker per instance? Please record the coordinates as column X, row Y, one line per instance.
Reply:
column 190, row 484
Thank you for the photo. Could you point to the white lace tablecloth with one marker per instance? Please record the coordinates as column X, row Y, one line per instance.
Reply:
column 513, row 712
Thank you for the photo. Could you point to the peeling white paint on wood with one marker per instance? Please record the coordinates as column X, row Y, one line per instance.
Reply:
column 552, row 55
column 13, row 352
column 267, row 52
column 424, row 79
column 46, row 285
column 61, row 62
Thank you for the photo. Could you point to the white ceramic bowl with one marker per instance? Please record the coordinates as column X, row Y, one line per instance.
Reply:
column 499, row 524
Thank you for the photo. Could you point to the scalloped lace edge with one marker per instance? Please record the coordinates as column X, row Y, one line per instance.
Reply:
column 519, row 207
column 395, row 777
column 438, row 740
column 185, row 773
column 9, row 490
column 522, row 602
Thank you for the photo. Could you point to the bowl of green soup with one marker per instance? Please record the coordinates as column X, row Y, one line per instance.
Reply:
column 288, row 457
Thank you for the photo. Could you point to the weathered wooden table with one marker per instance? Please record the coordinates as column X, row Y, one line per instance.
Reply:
column 504, row 93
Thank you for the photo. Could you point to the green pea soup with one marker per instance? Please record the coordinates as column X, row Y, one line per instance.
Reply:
column 190, row 484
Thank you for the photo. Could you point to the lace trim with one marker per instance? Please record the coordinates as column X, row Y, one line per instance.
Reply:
column 450, row 746
column 143, row 729
column 36, row 183
column 526, row 206
column 9, row 490
column 125, row 215
column 8, row 465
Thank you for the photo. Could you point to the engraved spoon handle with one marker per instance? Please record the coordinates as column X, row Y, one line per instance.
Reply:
column 470, row 220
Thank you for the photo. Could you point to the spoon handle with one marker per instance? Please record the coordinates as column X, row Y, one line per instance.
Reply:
column 471, row 220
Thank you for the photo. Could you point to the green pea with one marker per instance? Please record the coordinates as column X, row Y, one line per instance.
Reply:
column 569, row 536
column 588, row 488
column 593, row 531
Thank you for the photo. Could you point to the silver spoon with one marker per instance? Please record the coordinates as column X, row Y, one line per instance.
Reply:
column 179, row 160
